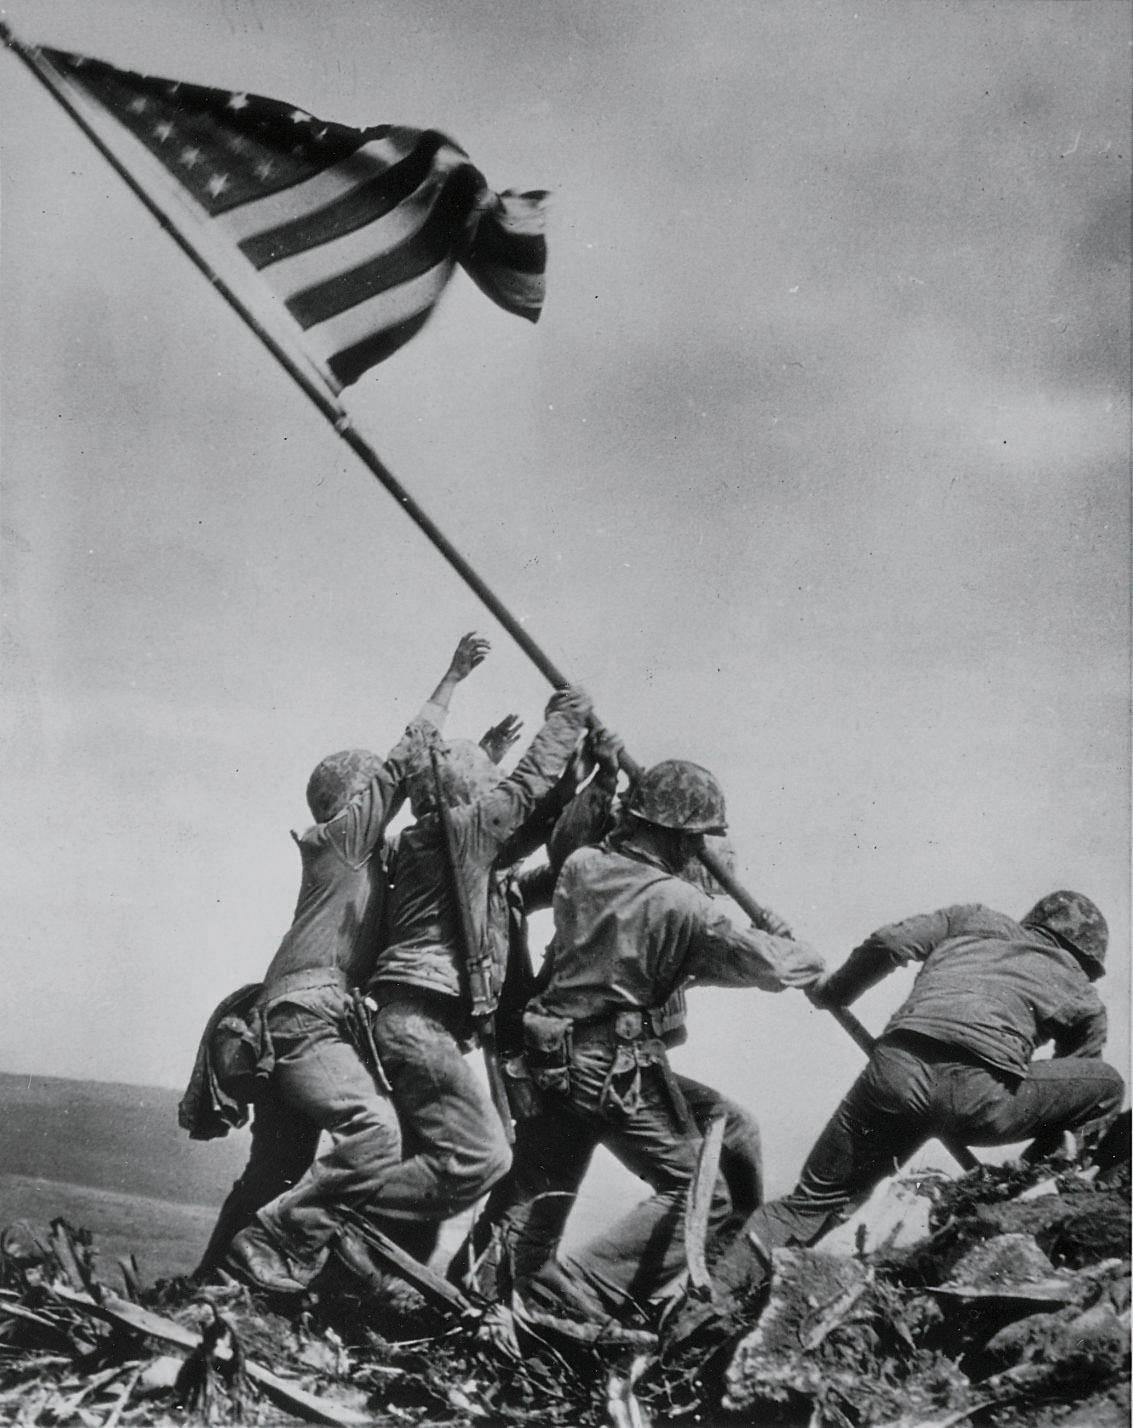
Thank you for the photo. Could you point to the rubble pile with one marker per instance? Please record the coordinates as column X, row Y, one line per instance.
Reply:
column 1010, row 1308
column 74, row 1351
column 1014, row 1310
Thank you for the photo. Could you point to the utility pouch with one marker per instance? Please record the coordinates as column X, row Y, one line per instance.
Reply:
column 523, row 1095
column 236, row 1051
column 546, row 1045
column 620, row 1096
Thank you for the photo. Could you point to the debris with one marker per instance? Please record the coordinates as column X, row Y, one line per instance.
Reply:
column 1010, row 1308
column 1008, row 1267
column 622, row 1407
column 586, row 1331
column 212, row 1383
column 699, row 1204
column 896, row 1215
column 437, row 1290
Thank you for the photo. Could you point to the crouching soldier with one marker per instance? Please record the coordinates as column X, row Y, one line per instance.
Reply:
column 456, row 1143
column 953, row 1062
column 307, row 1017
column 628, row 932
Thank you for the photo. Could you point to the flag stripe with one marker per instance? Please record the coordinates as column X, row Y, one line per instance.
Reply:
column 507, row 256
column 379, row 239
column 517, row 294
column 432, row 244
column 356, row 231
column 282, row 204
column 376, row 195
column 352, row 326
column 495, row 243
column 349, row 364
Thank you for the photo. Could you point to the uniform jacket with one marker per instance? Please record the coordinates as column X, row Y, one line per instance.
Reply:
column 422, row 938
column 335, row 927
column 993, row 987
column 628, row 933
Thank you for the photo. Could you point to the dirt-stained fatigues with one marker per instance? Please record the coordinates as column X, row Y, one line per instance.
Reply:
column 955, row 1059
column 627, row 933
column 456, row 1145
column 319, row 1082
column 523, row 1222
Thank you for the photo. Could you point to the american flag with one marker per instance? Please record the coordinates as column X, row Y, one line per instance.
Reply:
column 357, row 231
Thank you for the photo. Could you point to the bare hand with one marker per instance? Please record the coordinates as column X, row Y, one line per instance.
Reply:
column 573, row 701
column 606, row 749
column 500, row 737
column 471, row 651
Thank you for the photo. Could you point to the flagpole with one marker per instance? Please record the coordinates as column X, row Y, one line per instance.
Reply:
column 316, row 389
column 319, row 392
column 327, row 402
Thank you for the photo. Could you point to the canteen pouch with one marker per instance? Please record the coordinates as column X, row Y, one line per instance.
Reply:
column 546, row 1047
column 523, row 1096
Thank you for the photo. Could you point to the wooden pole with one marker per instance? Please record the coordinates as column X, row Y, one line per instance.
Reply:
column 316, row 388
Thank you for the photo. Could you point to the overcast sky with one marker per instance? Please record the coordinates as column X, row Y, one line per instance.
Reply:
column 816, row 470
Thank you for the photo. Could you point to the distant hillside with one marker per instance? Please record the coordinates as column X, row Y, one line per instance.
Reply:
column 111, row 1158
column 111, row 1137
column 163, row 1238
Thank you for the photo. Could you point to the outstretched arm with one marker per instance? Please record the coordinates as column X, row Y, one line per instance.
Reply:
column 470, row 652
column 367, row 815
column 895, row 945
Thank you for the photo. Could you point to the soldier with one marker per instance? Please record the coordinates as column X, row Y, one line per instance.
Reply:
column 319, row 1082
column 457, row 1144
column 954, row 1061
column 628, row 932
column 522, row 1225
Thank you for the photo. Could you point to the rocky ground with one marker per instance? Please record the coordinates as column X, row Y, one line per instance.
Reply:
column 1000, row 1298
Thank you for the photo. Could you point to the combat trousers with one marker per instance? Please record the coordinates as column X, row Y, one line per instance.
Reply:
column 913, row 1089
column 284, row 1142
column 637, row 1113
column 455, row 1145
column 526, row 1214
column 320, row 1081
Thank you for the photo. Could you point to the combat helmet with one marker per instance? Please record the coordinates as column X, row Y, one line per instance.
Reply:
column 466, row 774
column 336, row 780
column 1078, row 923
column 679, row 795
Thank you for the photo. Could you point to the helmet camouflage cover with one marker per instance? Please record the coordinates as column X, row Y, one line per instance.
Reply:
column 680, row 795
column 1075, row 920
column 336, row 780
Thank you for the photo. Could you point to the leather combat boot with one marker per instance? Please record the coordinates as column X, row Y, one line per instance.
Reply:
column 255, row 1259
column 354, row 1268
column 737, row 1277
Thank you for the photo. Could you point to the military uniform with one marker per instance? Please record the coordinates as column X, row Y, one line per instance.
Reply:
column 523, row 1221
column 319, row 1083
column 954, row 1061
column 456, row 1145
column 628, row 932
